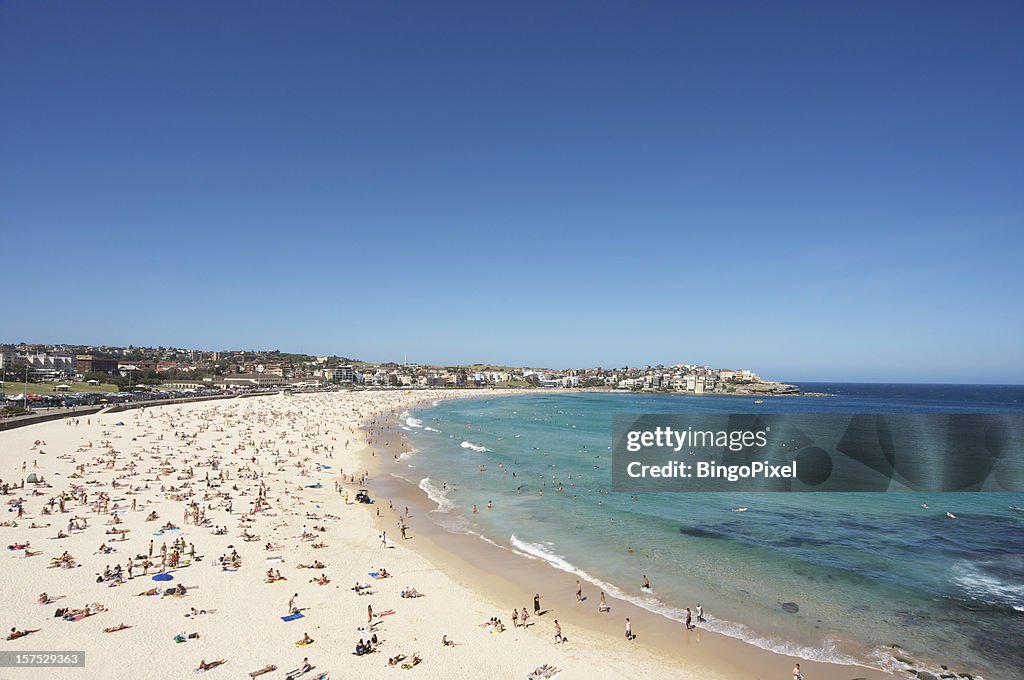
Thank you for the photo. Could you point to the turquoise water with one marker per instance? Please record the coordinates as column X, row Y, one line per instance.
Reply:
column 867, row 570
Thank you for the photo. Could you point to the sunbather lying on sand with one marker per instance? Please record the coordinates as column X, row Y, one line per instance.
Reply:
column 203, row 666
column 269, row 668
column 301, row 670
column 15, row 633
column 114, row 629
column 543, row 672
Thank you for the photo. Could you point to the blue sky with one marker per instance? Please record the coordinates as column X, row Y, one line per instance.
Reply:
column 812, row 190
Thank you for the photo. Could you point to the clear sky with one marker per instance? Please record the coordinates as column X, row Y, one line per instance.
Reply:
column 814, row 190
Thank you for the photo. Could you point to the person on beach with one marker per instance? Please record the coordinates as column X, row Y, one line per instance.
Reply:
column 536, row 604
column 797, row 673
column 700, row 613
column 689, row 620
column 369, row 613
column 602, row 606
column 291, row 604
column 558, row 633
column 629, row 629
column 203, row 666
column 515, row 618
column 647, row 583
column 523, row 617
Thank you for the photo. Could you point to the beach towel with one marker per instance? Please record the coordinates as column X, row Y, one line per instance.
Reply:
column 292, row 617
column 386, row 612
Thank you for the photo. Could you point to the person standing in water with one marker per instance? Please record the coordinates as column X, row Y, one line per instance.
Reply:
column 689, row 620
column 647, row 583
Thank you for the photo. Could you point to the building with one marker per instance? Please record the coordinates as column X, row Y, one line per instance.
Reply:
column 89, row 363
column 10, row 362
column 259, row 380
column 184, row 385
column 40, row 366
column 50, row 367
column 344, row 374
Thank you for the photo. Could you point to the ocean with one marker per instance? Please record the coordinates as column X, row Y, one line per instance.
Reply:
column 866, row 571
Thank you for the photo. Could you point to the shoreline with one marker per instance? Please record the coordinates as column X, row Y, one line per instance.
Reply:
column 494, row 570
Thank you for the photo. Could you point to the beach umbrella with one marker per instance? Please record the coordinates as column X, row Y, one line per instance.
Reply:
column 32, row 479
column 163, row 577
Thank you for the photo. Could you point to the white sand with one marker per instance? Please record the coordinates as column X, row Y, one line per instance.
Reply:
column 287, row 436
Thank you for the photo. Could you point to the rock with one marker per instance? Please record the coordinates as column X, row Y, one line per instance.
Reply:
column 903, row 659
column 925, row 675
column 791, row 607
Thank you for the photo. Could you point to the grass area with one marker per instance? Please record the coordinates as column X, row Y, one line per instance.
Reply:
column 15, row 387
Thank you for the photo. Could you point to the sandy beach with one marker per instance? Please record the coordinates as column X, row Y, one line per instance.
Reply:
column 224, row 496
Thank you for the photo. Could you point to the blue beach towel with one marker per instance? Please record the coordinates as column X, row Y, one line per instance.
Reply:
column 292, row 617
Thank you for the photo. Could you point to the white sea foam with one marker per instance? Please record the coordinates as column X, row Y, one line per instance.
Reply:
column 444, row 504
column 826, row 653
column 413, row 422
column 430, row 429
column 475, row 447
column 987, row 588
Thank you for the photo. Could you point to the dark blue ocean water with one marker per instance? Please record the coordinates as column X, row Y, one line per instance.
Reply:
column 867, row 570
